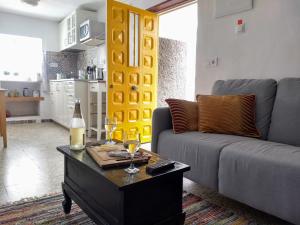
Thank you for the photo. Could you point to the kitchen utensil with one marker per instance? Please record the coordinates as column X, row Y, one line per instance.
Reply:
column 16, row 93
column 25, row 92
column 81, row 74
column 94, row 72
column 99, row 74
column 89, row 71
column 36, row 93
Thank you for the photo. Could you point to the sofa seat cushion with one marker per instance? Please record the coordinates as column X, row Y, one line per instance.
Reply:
column 264, row 175
column 199, row 150
column 264, row 90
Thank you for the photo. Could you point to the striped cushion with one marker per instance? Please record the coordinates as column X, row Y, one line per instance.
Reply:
column 184, row 115
column 229, row 114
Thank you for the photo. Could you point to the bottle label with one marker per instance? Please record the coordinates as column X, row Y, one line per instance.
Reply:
column 77, row 138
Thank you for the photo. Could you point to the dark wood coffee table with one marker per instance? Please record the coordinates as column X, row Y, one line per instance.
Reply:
column 113, row 197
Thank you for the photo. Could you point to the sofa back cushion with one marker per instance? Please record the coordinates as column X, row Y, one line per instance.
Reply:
column 285, row 125
column 264, row 90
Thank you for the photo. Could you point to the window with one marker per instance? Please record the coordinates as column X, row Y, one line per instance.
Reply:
column 20, row 58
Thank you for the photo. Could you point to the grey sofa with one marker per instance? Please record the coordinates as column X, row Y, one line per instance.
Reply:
column 262, row 173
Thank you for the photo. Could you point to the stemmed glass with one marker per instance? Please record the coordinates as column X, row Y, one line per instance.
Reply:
column 131, row 142
column 110, row 127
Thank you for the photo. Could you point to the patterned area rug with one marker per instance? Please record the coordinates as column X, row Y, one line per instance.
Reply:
column 48, row 210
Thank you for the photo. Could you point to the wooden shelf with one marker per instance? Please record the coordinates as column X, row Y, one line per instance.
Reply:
column 22, row 118
column 24, row 99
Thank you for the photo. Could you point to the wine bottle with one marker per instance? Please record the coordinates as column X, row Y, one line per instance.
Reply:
column 77, row 129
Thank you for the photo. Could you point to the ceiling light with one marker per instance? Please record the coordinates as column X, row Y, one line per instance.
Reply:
column 31, row 2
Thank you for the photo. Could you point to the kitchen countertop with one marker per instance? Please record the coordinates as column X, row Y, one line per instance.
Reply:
column 73, row 79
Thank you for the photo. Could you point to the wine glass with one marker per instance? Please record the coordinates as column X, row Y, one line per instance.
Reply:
column 110, row 127
column 131, row 142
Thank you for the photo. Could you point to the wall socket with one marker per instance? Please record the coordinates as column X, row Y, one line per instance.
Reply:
column 213, row 62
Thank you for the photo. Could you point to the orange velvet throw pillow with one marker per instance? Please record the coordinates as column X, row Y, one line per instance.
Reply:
column 184, row 115
column 229, row 114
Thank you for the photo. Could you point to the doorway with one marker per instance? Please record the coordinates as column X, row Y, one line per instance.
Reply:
column 177, row 53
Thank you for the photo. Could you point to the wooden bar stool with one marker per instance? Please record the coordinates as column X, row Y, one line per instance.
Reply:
column 3, row 117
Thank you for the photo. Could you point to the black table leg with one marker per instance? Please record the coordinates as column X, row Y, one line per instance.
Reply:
column 67, row 203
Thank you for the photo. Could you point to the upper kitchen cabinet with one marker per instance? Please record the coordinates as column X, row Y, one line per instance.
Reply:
column 69, row 29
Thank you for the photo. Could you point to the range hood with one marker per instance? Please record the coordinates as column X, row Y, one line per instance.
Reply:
column 93, row 42
column 92, row 33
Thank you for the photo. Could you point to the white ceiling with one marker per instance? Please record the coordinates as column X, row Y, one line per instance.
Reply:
column 143, row 4
column 49, row 9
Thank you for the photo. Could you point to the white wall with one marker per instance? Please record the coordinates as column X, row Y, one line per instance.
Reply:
column 270, row 47
column 101, row 13
column 31, row 27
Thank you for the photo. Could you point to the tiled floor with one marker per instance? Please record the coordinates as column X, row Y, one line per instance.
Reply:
column 31, row 166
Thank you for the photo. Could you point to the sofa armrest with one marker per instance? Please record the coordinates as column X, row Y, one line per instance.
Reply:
column 161, row 121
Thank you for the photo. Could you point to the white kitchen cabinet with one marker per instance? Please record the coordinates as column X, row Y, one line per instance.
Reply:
column 63, row 94
column 55, row 100
column 69, row 29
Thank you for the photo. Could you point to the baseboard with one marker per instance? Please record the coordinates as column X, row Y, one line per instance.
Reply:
column 29, row 121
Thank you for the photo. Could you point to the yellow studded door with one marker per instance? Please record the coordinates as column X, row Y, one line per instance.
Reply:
column 132, row 45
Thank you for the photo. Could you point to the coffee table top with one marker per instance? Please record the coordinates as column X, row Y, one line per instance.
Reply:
column 117, row 175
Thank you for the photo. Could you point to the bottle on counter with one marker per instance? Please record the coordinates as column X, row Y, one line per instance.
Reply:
column 77, row 129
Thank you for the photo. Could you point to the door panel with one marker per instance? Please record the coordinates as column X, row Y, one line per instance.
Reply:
column 132, row 67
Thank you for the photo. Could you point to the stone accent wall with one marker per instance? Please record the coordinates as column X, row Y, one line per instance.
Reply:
column 172, row 67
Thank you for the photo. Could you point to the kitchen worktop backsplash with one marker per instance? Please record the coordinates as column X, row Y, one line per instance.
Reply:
column 94, row 56
column 61, row 62
column 68, row 63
